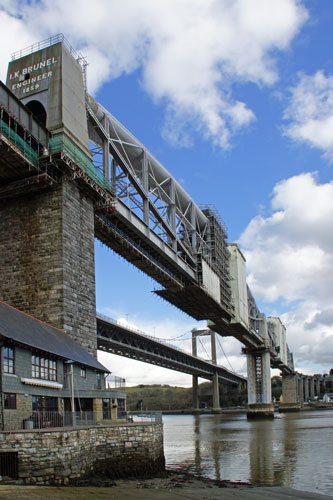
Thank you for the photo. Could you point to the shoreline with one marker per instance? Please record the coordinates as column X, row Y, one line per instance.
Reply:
column 206, row 411
column 176, row 485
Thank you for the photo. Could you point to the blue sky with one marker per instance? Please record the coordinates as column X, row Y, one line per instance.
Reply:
column 236, row 100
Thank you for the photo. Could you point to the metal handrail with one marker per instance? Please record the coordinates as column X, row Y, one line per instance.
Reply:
column 41, row 420
column 52, row 40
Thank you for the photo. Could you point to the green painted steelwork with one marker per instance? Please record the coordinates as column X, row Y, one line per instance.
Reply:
column 22, row 145
column 62, row 143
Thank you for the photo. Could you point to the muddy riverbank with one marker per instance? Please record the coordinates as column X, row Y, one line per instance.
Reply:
column 174, row 486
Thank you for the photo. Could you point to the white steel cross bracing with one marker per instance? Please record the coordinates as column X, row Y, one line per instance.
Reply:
column 149, row 191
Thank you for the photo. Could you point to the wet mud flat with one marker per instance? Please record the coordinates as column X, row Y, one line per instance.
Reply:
column 172, row 485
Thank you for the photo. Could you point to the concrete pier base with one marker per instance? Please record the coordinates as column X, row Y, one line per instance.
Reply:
column 289, row 407
column 260, row 410
column 216, row 411
column 259, row 390
column 292, row 387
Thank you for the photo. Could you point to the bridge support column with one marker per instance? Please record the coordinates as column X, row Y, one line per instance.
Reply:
column 216, row 393
column 259, row 384
column 195, row 387
column 317, row 385
column 195, row 394
column 290, row 393
column 312, row 388
column 301, row 389
column 306, row 389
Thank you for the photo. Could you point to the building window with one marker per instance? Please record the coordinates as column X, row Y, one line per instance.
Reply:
column 106, row 409
column 121, row 406
column 8, row 360
column 83, row 373
column 9, row 401
column 43, row 368
column 98, row 381
column 43, row 403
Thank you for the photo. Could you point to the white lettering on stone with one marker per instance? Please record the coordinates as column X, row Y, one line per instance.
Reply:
column 32, row 87
column 29, row 69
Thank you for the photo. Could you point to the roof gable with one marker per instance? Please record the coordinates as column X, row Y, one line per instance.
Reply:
column 24, row 329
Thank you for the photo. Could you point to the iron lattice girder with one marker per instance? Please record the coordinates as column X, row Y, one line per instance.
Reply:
column 119, row 340
column 171, row 207
column 114, row 234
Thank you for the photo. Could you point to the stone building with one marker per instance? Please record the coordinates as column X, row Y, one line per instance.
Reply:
column 45, row 372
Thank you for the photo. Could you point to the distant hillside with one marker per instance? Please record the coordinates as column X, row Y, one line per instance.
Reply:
column 158, row 397
column 165, row 397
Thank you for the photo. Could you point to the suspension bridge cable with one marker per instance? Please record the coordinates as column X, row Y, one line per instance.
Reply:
column 204, row 348
column 226, row 357
column 174, row 339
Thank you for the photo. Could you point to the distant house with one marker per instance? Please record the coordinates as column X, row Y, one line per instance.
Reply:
column 45, row 371
column 328, row 397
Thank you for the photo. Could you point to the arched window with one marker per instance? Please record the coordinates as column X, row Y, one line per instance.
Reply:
column 38, row 110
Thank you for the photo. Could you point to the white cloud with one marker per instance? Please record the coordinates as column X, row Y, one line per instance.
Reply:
column 290, row 258
column 14, row 35
column 310, row 112
column 189, row 52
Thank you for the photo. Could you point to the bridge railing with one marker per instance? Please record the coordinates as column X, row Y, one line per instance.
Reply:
column 52, row 40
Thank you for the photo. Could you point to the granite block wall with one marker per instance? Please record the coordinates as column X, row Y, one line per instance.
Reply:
column 47, row 259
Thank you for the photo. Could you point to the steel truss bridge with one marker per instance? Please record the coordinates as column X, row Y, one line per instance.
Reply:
column 141, row 212
column 120, row 340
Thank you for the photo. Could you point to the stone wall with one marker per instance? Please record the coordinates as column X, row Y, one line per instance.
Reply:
column 55, row 457
column 47, row 259
column 13, row 418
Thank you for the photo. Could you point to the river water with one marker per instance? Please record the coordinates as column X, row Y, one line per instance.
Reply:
column 294, row 449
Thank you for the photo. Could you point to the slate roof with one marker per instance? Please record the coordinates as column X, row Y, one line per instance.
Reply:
column 24, row 329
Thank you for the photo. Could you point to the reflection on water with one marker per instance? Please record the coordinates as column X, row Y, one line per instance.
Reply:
column 293, row 450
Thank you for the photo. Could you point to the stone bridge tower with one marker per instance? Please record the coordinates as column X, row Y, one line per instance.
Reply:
column 47, row 226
